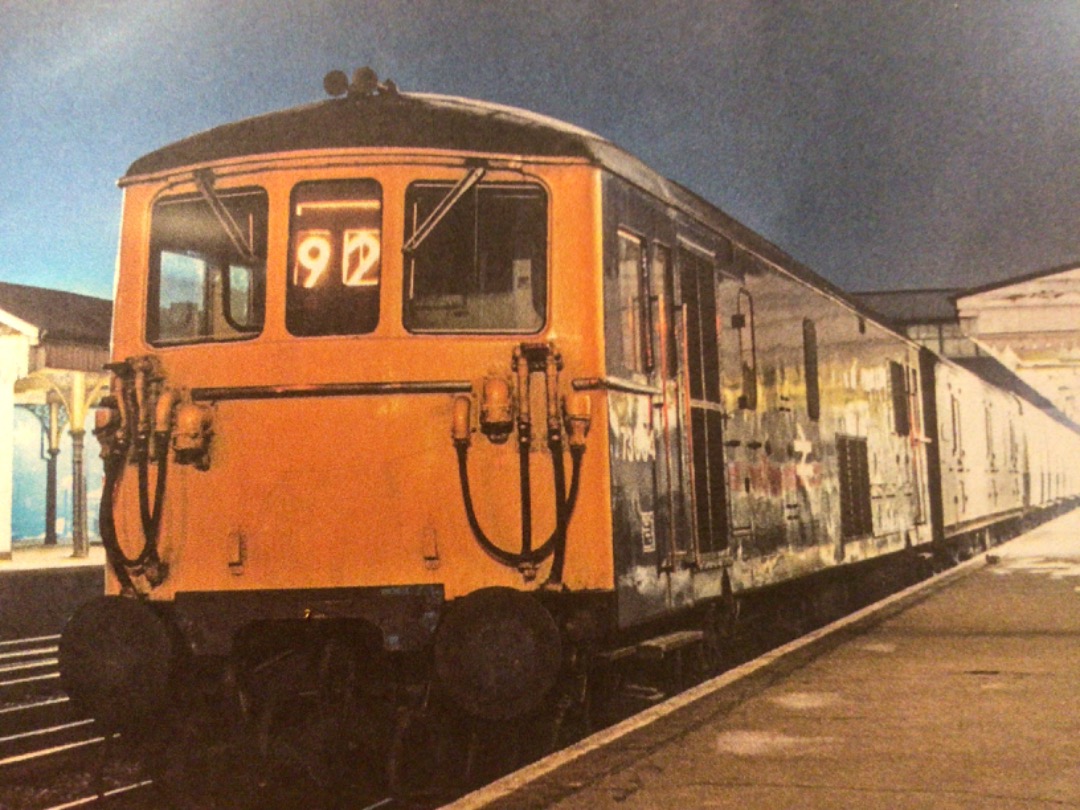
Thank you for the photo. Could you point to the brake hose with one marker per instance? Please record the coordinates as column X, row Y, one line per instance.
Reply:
column 118, row 561
column 562, row 507
column 150, row 516
column 556, row 542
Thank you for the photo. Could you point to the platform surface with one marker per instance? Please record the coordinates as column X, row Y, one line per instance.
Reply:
column 37, row 556
column 41, row 586
column 966, row 696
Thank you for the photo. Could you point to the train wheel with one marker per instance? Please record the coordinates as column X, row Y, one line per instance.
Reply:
column 565, row 718
column 348, row 755
column 287, row 739
column 197, row 765
column 498, row 653
column 116, row 657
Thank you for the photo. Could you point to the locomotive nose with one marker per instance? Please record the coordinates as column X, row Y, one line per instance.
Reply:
column 116, row 654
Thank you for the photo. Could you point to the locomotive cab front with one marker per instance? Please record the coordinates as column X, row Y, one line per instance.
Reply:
column 343, row 401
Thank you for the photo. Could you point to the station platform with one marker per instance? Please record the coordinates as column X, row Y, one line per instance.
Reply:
column 40, row 586
column 960, row 692
column 35, row 556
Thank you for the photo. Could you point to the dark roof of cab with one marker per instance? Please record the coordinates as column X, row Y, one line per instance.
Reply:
column 411, row 120
column 427, row 121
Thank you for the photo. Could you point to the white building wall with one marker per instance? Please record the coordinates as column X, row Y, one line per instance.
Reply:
column 14, row 358
column 1033, row 328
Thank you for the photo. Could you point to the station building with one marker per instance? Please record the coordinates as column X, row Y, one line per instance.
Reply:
column 53, row 349
column 1032, row 325
column 1027, row 326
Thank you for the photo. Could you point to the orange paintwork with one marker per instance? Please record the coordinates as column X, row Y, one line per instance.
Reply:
column 363, row 490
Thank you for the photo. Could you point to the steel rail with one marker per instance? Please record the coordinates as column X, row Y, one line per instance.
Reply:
column 89, row 801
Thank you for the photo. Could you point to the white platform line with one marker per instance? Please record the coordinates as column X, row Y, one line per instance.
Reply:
column 28, row 707
column 30, row 653
column 52, row 676
column 39, row 664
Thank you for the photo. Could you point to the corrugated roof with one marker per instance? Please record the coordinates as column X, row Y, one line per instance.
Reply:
column 913, row 306
column 62, row 316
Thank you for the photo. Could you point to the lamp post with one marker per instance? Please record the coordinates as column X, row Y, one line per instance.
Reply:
column 78, row 408
column 70, row 394
column 52, row 401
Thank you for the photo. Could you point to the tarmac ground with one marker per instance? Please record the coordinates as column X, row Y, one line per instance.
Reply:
column 961, row 692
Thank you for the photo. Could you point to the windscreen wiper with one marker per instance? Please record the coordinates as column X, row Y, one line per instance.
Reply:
column 443, row 208
column 243, row 244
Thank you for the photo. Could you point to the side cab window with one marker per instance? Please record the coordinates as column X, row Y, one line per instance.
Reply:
column 207, row 267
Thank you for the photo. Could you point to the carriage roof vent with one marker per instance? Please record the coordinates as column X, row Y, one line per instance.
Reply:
column 365, row 83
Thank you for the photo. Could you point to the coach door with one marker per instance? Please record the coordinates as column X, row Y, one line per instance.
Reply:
column 700, row 389
column 671, row 474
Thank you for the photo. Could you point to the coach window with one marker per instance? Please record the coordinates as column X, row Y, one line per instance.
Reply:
column 743, row 322
column 1014, row 448
column 335, row 250
column 856, row 506
column 708, row 472
column 207, row 267
column 957, row 434
column 631, row 305
column 898, row 389
column 475, row 257
column 914, row 405
column 810, row 369
column 662, row 281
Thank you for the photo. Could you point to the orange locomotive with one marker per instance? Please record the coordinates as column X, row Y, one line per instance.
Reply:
column 460, row 400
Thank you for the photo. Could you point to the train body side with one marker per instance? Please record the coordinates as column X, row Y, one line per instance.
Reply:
column 711, row 465
column 765, row 431
column 981, row 433
column 749, row 428
column 1051, row 478
column 1002, row 459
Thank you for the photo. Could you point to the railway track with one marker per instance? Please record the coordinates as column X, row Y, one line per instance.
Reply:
column 49, row 754
column 37, row 721
column 51, row 758
column 28, row 666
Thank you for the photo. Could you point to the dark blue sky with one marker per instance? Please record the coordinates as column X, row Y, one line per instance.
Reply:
column 886, row 144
